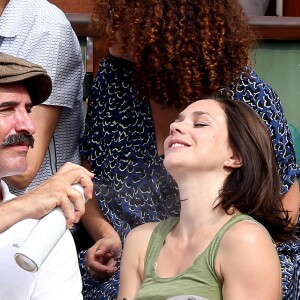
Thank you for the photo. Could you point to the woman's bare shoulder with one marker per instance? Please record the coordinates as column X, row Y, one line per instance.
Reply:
column 142, row 231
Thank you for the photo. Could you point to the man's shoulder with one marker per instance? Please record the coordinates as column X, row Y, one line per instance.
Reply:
column 40, row 11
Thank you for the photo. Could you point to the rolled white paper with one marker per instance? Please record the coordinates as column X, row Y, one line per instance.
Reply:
column 43, row 238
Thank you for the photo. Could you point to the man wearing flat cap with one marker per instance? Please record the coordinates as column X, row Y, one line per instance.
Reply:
column 38, row 31
column 23, row 85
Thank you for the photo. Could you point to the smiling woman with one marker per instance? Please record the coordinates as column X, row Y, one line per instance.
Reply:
column 212, row 152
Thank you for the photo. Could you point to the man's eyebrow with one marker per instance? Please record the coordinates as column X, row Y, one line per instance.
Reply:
column 9, row 103
column 14, row 103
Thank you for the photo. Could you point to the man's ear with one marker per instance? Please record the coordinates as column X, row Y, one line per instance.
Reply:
column 235, row 161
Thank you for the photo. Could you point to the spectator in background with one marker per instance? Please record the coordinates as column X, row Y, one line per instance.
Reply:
column 38, row 31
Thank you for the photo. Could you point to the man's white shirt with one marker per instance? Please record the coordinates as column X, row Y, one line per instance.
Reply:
column 58, row 278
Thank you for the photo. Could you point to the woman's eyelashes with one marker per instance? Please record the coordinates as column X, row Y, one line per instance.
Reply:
column 200, row 124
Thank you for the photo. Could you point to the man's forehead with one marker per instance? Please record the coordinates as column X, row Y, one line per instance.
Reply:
column 12, row 86
column 13, row 92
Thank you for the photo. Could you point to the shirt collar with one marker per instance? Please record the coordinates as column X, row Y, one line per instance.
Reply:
column 5, row 192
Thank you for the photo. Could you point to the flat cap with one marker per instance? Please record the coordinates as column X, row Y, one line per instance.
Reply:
column 36, row 80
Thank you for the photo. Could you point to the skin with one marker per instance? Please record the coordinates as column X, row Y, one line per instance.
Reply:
column 3, row 3
column 198, row 156
column 15, row 108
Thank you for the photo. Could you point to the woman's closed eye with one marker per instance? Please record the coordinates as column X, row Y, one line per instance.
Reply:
column 200, row 124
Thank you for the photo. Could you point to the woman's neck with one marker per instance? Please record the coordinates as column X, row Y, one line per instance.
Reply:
column 200, row 195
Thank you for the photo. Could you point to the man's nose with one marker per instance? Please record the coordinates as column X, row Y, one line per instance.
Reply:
column 24, row 123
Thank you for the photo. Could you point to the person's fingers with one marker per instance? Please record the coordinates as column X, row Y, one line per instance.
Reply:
column 78, row 175
column 78, row 201
column 73, row 205
column 88, row 187
column 58, row 191
column 68, row 209
column 68, row 166
column 99, row 270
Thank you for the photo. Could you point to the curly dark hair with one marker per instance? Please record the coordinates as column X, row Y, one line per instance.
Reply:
column 254, row 188
column 183, row 49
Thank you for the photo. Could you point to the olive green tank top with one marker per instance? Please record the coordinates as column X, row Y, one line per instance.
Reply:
column 198, row 280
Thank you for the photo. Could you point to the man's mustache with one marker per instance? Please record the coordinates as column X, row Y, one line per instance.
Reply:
column 17, row 139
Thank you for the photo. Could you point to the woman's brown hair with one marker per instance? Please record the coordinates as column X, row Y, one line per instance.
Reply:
column 183, row 49
column 255, row 187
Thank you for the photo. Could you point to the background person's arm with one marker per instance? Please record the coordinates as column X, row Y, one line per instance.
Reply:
column 291, row 201
column 94, row 221
column 101, row 257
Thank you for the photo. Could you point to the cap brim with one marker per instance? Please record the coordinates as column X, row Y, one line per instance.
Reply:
column 38, row 85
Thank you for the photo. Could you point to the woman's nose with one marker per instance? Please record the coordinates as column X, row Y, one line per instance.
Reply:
column 176, row 127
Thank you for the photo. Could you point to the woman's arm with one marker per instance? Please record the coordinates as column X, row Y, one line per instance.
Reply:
column 102, row 256
column 130, row 279
column 248, row 264
column 133, row 258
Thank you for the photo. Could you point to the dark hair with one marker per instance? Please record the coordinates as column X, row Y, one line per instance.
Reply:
column 255, row 187
column 183, row 49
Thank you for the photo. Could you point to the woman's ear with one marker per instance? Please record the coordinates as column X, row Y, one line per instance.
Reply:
column 235, row 161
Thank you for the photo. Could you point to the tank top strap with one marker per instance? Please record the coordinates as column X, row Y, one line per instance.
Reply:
column 215, row 243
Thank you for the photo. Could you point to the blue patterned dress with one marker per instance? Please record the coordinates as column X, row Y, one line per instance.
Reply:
column 132, row 185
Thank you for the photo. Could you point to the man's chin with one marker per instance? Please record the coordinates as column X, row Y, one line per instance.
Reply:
column 16, row 168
